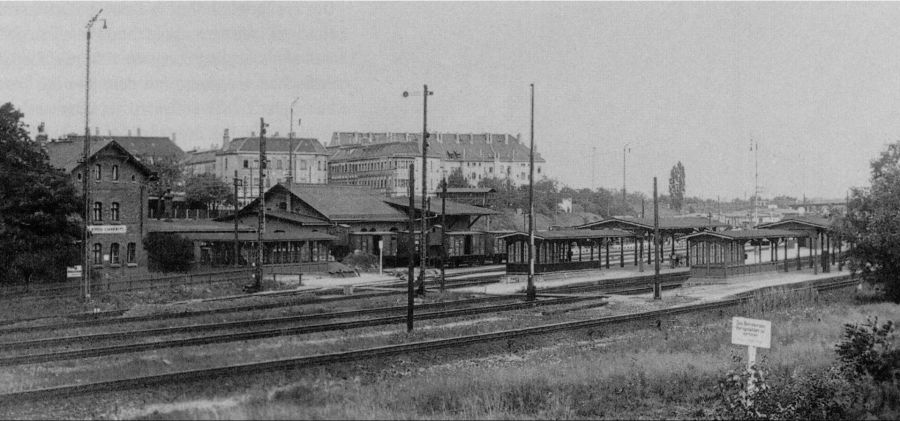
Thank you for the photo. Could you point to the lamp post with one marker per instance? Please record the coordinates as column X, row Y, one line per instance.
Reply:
column 423, row 248
column 86, row 170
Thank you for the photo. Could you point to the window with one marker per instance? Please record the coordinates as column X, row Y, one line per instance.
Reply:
column 114, row 211
column 278, row 164
column 246, row 164
column 320, row 165
column 98, row 254
column 98, row 211
column 130, row 253
column 114, row 253
column 282, row 206
column 79, row 176
column 115, row 173
column 302, row 164
column 98, row 172
column 132, row 178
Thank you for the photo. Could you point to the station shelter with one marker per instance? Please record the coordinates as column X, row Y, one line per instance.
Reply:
column 562, row 250
column 821, row 237
column 642, row 230
column 722, row 254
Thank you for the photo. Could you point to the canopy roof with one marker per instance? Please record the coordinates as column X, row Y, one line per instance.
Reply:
column 744, row 235
column 665, row 224
column 568, row 235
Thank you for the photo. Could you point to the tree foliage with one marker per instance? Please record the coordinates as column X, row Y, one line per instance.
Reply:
column 169, row 252
column 872, row 224
column 676, row 186
column 39, row 207
column 206, row 191
column 457, row 179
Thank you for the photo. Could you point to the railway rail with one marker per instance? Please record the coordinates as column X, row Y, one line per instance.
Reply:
column 392, row 350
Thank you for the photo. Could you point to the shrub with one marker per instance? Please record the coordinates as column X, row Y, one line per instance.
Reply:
column 169, row 252
column 869, row 349
column 361, row 261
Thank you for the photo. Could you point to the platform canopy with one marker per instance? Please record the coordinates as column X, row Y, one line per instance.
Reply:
column 667, row 226
column 744, row 235
column 572, row 234
column 801, row 223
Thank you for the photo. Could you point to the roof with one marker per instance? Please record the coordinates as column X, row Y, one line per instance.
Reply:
column 280, row 214
column 197, row 226
column 380, row 150
column 809, row 221
column 753, row 234
column 139, row 146
column 570, row 234
column 199, row 157
column 276, row 144
column 449, row 146
column 66, row 158
column 342, row 203
column 453, row 208
column 687, row 223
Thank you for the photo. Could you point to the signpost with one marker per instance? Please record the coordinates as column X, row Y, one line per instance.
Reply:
column 752, row 333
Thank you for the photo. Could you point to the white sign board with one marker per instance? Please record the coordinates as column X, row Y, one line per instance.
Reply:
column 751, row 332
column 73, row 271
column 107, row 229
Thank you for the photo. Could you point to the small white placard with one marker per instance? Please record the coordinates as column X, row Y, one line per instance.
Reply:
column 107, row 229
column 751, row 332
column 73, row 271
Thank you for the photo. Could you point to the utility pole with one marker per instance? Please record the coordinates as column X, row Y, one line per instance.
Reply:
column 290, row 177
column 625, row 150
column 443, row 231
column 261, row 206
column 412, row 246
column 423, row 249
column 237, row 250
column 755, row 146
column 657, row 289
column 86, row 169
column 530, row 293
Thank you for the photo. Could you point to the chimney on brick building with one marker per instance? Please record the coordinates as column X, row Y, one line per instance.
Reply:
column 225, row 140
column 96, row 131
column 138, row 132
column 252, row 134
column 41, row 137
column 129, row 133
column 173, row 137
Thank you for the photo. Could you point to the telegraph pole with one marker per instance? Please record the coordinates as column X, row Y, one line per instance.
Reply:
column 657, row 289
column 290, row 177
column 530, row 290
column 625, row 150
column 411, row 241
column 423, row 248
column 261, row 206
column 443, row 230
column 237, row 249
column 86, row 169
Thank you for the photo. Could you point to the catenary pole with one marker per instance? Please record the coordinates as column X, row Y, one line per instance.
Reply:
column 261, row 206
column 411, row 247
column 657, row 290
column 530, row 289
column 443, row 231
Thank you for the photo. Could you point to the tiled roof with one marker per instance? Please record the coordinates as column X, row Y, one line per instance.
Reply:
column 280, row 214
column 341, row 203
column 664, row 223
column 183, row 226
column 812, row 221
column 753, row 234
column 277, row 144
column 66, row 155
column 570, row 234
column 449, row 146
column 139, row 146
column 379, row 150
column 453, row 208
column 199, row 157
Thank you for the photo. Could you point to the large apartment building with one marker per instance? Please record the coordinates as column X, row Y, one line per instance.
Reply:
column 380, row 160
column 242, row 155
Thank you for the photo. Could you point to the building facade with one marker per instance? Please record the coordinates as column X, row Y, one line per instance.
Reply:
column 384, row 167
column 241, row 155
column 476, row 156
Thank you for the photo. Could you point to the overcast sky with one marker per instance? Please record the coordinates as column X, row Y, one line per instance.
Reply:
column 815, row 84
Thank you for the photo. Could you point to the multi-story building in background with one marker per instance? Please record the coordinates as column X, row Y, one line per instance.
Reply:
column 242, row 155
column 377, row 159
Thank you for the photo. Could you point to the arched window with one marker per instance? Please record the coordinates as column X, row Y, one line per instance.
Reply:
column 98, row 172
column 114, row 253
column 98, row 254
column 114, row 211
column 98, row 211
column 115, row 173
column 130, row 253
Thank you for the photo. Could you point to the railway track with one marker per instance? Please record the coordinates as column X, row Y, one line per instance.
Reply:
column 392, row 350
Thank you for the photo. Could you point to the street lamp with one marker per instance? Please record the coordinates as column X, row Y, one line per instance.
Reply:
column 86, row 185
column 626, row 149
column 423, row 249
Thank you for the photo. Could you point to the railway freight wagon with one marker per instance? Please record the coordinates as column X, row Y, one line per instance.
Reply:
column 374, row 242
column 462, row 247
column 496, row 246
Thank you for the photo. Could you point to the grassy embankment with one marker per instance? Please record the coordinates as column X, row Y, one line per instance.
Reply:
column 667, row 372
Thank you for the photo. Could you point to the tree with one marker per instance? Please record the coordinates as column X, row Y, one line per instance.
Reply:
column 169, row 252
column 169, row 177
column 676, row 186
column 457, row 179
column 206, row 191
column 40, row 224
column 872, row 224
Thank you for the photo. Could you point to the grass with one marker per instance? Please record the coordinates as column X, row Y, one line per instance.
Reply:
column 644, row 372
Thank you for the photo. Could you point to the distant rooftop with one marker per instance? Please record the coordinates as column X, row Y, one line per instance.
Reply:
column 447, row 146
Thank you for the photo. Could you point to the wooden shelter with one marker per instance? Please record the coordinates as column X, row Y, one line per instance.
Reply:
column 821, row 233
column 720, row 254
column 556, row 251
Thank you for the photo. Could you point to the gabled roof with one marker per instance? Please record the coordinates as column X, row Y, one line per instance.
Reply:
column 341, row 203
column 380, row 150
column 448, row 146
column 453, row 208
column 139, row 146
column 664, row 223
column 280, row 214
column 569, row 234
column 807, row 221
column 277, row 145
column 66, row 158
column 754, row 234
column 199, row 157
column 194, row 226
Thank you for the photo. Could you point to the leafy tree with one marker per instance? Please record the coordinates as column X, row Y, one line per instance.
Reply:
column 206, row 191
column 169, row 252
column 457, row 179
column 170, row 177
column 39, row 207
column 676, row 186
column 872, row 224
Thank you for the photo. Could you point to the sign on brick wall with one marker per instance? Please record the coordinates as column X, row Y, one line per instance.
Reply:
column 107, row 229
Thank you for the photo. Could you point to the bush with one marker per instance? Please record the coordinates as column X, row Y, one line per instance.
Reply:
column 363, row 262
column 869, row 349
column 169, row 252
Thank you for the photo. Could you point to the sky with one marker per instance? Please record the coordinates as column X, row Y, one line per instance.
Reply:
column 815, row 84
